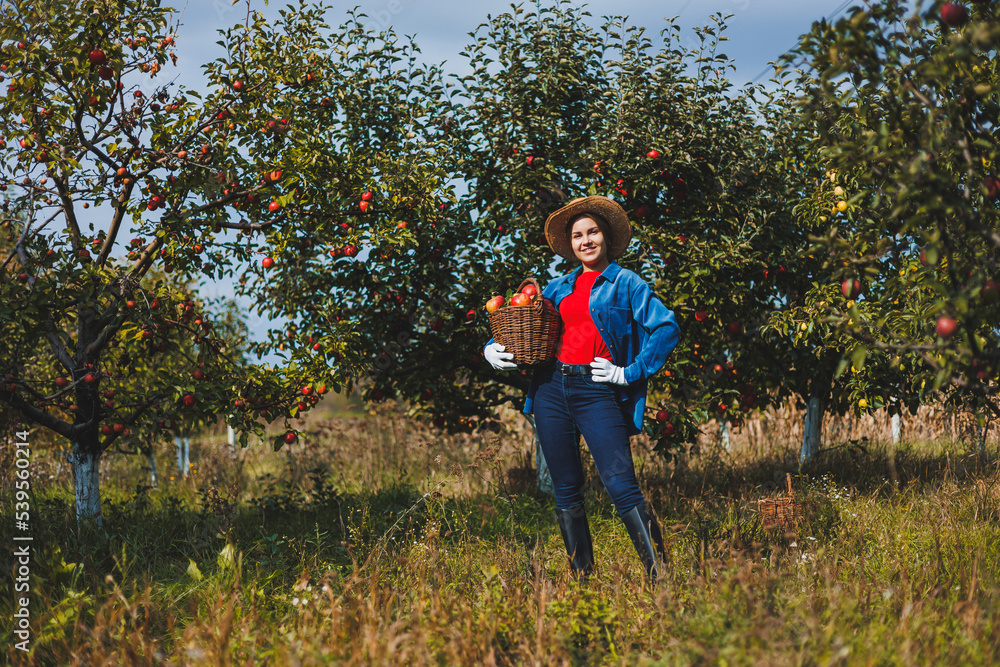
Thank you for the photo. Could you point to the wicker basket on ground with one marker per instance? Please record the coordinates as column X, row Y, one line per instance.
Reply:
column 529, row 332
column 781, row 514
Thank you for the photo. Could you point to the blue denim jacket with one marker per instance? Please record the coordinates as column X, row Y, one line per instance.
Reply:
column 637, row 327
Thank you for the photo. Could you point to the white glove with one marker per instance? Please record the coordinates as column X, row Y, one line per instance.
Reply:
column 500, row 360
column 603, row 370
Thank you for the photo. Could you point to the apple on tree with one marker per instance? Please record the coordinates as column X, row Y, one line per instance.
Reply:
column 946, row 327
column 850, row 288
column 954, row 14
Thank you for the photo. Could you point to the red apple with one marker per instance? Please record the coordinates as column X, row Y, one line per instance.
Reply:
column 662, row 416
column 61, row 382
column 350, row 250
column 307, row 390
column 494, row 304
column 850, row 288
column 991, row 184
column 273, row 206
column 667, row 430
column 105, row 73
column 188, row 400
column 89, row 378
column 641, row 211
column 290, row 437
column 946, row 327
column 701, row 315
column 364, row 206
column 520, row 299
column 530, row 290
column 954, row 14
column 97, row 57
column 118, row 428
column 198, row 374
column 267, row 262
column 367, row 195
column 237, row 86
column 470, row 315
column 653, row 154
column 106, row 430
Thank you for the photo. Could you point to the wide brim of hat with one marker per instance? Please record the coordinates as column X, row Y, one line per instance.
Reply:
column 610, row 210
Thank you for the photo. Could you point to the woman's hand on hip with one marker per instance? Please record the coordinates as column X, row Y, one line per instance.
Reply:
column 602, row 370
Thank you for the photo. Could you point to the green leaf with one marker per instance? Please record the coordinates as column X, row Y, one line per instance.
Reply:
column 858, row 358
column 193, row 571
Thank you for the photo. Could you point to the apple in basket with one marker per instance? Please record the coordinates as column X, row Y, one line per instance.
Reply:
column 520, row 299
column 530, row 290
column 494, row 304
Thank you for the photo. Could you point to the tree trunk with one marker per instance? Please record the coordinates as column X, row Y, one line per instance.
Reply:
column 724, row 435
column 897, row 428
column 183, row 454
column 541, row 467
column 152, row 469
column 86, row 464
column 813, row 435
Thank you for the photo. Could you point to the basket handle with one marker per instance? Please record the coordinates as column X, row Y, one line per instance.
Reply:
column 537, row 305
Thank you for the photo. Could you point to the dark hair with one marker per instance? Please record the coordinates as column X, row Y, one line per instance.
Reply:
column 601, row 223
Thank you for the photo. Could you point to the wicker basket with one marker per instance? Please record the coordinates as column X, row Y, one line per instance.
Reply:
column 529, row 332
column 781, row 513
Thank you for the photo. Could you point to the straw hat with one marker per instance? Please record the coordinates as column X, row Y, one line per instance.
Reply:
column 621, row 230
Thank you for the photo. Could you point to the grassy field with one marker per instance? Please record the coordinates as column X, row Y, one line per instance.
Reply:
column 374, row 541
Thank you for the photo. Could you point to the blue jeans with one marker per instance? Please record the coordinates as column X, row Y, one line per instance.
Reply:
column 566, row 407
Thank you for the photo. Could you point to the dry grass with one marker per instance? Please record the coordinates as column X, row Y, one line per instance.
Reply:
column 376, row 541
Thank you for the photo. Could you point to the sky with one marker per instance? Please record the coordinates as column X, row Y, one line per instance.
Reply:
column 759, row 31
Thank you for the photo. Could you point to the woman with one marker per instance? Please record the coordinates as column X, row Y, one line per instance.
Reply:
column 616, row 334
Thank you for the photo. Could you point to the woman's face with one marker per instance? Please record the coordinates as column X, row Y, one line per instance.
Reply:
column 588, row 243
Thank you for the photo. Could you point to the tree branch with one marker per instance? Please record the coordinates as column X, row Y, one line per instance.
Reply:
column 39, row 416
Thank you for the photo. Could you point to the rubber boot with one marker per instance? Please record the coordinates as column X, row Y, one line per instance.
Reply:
column 576, row 535
column 646, row 537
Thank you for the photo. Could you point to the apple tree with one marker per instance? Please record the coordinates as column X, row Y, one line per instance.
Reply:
column 555, row 109
column 110, row 173
column 904, row 110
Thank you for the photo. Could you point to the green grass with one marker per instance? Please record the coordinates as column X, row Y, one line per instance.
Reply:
column 374, row 542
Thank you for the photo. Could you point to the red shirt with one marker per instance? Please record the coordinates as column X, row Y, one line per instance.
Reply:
column 580, row 342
